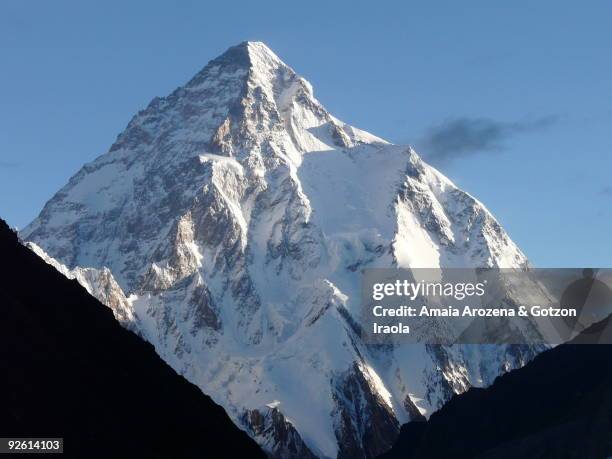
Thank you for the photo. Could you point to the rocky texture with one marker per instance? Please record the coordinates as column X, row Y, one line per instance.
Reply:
column 276, row 434
column 70, row 370
column 365, row 423
column 236, row 215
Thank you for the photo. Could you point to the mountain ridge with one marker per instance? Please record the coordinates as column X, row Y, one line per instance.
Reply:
column 236, row 215
column 70, row 371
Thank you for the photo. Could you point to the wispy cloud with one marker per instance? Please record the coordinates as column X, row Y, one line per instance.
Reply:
column 607, row 191
column 461, row 137
column 8, row 164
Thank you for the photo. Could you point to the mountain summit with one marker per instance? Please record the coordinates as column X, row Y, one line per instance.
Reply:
column 228, row 225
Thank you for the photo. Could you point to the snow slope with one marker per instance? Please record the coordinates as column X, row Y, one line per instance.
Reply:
column 235, row 215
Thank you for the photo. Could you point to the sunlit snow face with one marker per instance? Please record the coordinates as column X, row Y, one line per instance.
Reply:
column 236, row 215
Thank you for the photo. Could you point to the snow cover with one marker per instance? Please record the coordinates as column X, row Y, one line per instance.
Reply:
column 234, row 216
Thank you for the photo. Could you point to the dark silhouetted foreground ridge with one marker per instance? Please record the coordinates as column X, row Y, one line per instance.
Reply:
column 68, row 369
column 557, row 406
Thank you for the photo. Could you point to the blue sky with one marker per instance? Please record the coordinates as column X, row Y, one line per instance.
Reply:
column 512, row 101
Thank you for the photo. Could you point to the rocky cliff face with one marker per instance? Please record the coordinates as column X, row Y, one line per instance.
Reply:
column 275, row 433
column 228, row 224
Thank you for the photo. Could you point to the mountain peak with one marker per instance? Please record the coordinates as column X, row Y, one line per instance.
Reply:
column 235, row 205
column 247, row 55
column 249, row 63
column 251, row 52
column 240, row 52
column 259, row 48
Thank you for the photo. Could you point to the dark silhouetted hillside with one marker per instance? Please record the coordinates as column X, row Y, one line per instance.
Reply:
column 559, row 406
column 68, row 369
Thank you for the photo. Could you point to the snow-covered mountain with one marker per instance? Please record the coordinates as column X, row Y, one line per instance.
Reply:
column 228, row 224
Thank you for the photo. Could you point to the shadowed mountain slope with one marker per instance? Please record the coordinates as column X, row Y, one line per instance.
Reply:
column 70, row 370
column 557, row 406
